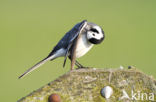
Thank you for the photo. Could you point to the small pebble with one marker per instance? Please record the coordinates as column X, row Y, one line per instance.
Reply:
column 131, row 67
column 106, row 92
column 121, row 67
column 54, row 98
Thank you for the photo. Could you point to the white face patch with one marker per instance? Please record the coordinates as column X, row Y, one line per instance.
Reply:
column 95, row 32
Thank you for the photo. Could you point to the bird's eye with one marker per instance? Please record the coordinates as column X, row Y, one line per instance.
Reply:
column 94, row 30
column 93, row 34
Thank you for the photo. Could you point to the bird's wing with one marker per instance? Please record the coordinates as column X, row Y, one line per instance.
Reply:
column 76, row 30
column 68, row 38
column 67, row 41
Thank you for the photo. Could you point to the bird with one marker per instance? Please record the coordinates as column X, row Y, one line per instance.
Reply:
column 74, row 44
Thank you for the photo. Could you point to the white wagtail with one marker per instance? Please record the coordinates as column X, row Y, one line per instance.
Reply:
column 75, row 43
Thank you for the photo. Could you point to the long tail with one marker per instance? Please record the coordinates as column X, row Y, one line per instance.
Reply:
column 37, row 65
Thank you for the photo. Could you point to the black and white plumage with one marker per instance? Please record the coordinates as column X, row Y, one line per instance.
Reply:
column 76, row 43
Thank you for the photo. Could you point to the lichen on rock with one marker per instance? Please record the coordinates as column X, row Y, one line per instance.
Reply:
column 84, row 85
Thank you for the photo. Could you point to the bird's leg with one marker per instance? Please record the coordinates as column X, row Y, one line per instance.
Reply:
column 78, row 64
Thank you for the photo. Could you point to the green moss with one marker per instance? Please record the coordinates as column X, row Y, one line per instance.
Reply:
column 84, row 85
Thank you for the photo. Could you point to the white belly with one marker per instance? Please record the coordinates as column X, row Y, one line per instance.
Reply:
column 83, row 46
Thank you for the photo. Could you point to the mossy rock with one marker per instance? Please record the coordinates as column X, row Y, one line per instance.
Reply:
column 84, row 85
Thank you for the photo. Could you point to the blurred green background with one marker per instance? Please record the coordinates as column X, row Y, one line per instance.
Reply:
column 29, row 29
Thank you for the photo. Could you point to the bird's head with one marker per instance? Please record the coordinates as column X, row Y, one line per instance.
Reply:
column 95, row 34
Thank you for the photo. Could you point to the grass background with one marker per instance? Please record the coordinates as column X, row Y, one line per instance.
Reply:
column 29, row 29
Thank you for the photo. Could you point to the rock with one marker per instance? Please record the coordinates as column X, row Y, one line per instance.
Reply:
column 54, row 98
column 106, row 92
column 84, row 85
